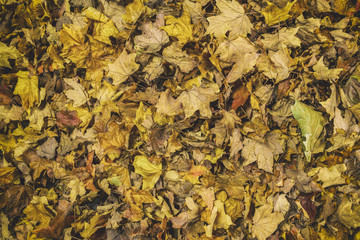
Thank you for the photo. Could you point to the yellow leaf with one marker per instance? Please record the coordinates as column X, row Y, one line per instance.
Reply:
column 7, row 53
column 194, row 173
column 77, row 189
column 27, row 88
column 95, row 223
column 92, row 13
column 348, row 214
column 78, row 93
column 133, row 11
column 324, row 73
column 180, row 28
column 152, row 38
column 149, row 171
column 39, row 214
column 274, row 15
column 7, row 175
column 122, row 67
column 103, row 31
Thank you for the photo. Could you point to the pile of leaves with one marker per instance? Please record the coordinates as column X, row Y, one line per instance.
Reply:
column 206, row 119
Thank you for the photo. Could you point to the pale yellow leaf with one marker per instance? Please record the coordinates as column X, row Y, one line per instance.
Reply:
column 265, row 222
column 324, row 73
column 122, row 67
column 232, row 19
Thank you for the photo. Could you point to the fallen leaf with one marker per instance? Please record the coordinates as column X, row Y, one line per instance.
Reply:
column 232, row 18
column 262, row 153
column 273, row 14
column 181, row 27
column 197, row 99
column 174, row 54
column 149, row 171
column 7, row 53
column 77, row 189
column 27, row 88
column 152, row 38
column 122, row 67
column 324, row 73
column 311, row 124
column 265, row 222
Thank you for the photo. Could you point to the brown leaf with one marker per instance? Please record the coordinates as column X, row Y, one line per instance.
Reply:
column 240, row 96
column 67, row 119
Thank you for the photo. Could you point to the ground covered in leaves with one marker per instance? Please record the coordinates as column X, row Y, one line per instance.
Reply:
column 206, row 119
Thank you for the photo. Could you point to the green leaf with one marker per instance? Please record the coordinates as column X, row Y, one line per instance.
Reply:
column 311, row 124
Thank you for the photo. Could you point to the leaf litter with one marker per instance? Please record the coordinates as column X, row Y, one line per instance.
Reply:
column 226, row 119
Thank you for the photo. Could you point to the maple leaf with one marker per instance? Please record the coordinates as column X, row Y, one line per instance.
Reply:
column 232, row 19
column 152, row 38
column 154, row 69
column 27, row 88
column 149, row 171
column 277, row 66
column 168, row 105
column 181, row 27
column 231, row 51
column 37, row 117
column 77, row 189
column 348, row 213
column 331, row 103
column 39, row 214
column 194, row 9
column 274, row 15
column 174, row 54
column 194, row 173
column 329, row 176
column 133, row 11
column 284, row 38
column 7, row 53
column 265, row 222
column 324, row 73
column 244, row 65
column 262, row 153
column 197, row 99
column 77, row 94
column 123, row 67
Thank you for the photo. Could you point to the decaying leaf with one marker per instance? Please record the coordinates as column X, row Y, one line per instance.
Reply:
column 194, row 119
